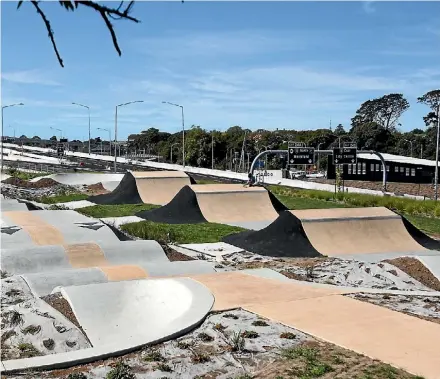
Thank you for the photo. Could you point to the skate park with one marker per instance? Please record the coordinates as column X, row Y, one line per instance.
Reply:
column 80, row 258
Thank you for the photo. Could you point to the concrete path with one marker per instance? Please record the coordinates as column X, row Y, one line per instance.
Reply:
column 122, row 316
column 52, row 258
column 395, row 338
column 432, row 263
column 53, row 228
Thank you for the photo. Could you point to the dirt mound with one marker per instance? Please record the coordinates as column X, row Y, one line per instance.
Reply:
column 42, row 183
column 183, row 209
column 125, row 193
column 96, row 189
column 285, row 237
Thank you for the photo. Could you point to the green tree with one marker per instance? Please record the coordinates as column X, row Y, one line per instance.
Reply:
column 384, row 111
column 339, row 130
column 432, row 100
column 53, row 138
column 371, row 136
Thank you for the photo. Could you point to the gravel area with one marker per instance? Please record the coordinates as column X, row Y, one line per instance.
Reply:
column 416, row 269
column 174, row 255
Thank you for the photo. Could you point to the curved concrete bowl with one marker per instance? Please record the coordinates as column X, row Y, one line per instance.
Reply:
column 120, row 317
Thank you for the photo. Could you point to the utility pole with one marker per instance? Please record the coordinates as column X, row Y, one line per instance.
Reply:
column 88, row 108
column 436, row 153
column 212, row 150
column 183, row 129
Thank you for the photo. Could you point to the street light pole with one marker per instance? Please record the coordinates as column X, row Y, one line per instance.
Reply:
column 88, row 108
column 60, row 130
column 109, row 138
column 212, row 150
column 3, row 107
column 411, row 144
column 436, row 153
column 116, row 126
column 183, row 129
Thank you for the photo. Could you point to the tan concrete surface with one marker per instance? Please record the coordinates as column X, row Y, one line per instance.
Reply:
column 124, row 272
column 227, row 203
column 380, row 333
column 159, row 174
column 40, row 231
column 84, row 255
column 322, row 214
column 160, row 187
column 360, row 237
column 392, row 337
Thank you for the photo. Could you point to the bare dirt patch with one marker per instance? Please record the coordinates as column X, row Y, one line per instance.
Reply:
column 417, row 270
column 96, row 189
column 175, row 256
column 42, row 183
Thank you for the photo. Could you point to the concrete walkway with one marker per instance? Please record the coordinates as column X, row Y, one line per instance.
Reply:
column 392, row 337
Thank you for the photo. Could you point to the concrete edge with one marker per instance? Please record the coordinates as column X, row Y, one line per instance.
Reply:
column 78, row 357
column 354, row 218
column 420, row 259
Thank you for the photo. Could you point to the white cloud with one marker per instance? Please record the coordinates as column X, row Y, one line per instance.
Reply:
column 29, row 77
column 367, row 6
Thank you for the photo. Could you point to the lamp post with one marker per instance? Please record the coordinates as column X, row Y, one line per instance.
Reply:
column 3, row 107
column 88, row 108
column 411, row 144
column 116, row 125
column 171, row 157
column 212, row 150
column 60, row 130
column 109, row 138
column 436, row 153
column 12, row 127
column 183, row 129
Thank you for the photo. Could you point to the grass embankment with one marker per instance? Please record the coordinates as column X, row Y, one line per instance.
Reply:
column 180, row 233
column 102, row 211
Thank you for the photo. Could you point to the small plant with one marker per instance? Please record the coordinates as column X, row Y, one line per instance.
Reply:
column 32, row 329
column 260, row 323
column 13, row 292
column 183, row 345
column 77, row 375
column 314, row 367
column 199, row 357
column 230, row 315
column 49, row 343
column 201, row 257
column 310, row 274
column 27, row 350
column 205, row 337
column 237, row 342
column 154, row 356
column 288, row 335
column 120, row 371
column 250, row 334
column 163, row 367
column 245, row 376
column 219, row 327
column 15, row 318
column 3, row 274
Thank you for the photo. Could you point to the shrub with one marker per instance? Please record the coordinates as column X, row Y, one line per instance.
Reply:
column 120, row 371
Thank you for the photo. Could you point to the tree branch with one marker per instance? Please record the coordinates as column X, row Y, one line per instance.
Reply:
column 49, row 30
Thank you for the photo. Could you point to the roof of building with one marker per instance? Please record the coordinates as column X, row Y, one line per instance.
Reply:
column 398, row 159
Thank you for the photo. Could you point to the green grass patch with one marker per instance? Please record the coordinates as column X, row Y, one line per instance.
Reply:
column 120, row 210
column 62, row 198
column 429, row 225
column 180, row 233
column 307, row 203
column 207, row 181
column 24, row 175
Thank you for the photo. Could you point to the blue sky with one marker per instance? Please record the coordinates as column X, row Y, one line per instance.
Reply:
column 270, row 65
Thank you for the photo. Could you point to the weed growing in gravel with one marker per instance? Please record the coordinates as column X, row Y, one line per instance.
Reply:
column 27, row 350
column 13, row 292
column 219, row 327
column 205, row 337
column 314, row 368
column 4, row 274
column 15, row 318
column 237, row 342
column 120, row 371
column 163, row 367
column 32, row 329
column 260, row 323
column 288, row 335
column 250, row 334
column 183, row 345
column 77, row 375
column 154, row 356
column 230, row 315
column 199, row 357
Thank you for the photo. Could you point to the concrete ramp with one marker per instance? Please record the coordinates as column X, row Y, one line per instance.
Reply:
column 44, row 227
column 159, row 187
column 43, row 283
column 337, row 232
column 232, row 204
column 7, row 205
column 36, row 259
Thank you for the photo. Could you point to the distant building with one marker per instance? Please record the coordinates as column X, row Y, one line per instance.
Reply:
column 399, row 169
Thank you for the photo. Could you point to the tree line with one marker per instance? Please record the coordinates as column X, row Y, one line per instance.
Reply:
column 375, row 126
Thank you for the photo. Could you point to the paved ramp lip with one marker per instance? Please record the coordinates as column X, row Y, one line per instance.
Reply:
column 115, row 315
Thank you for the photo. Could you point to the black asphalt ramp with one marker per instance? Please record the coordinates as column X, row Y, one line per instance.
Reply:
column 183, row 209
column 420, row 237
column 125, row 193
column 285, row 237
